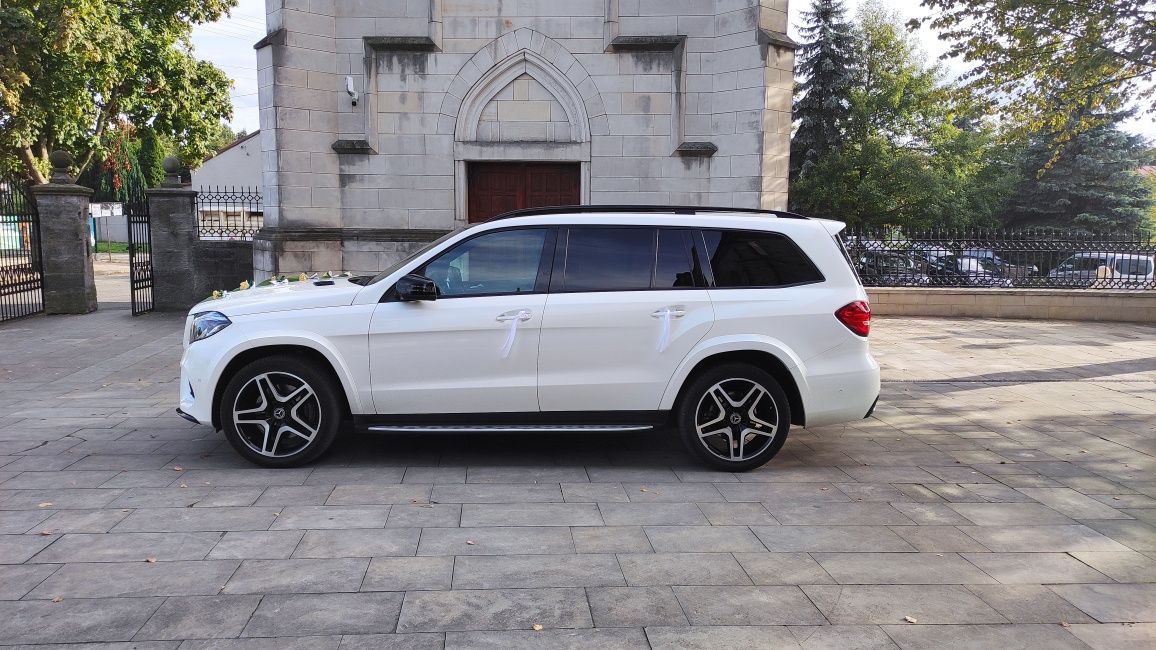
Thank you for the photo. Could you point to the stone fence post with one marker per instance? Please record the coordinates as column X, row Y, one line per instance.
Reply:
column 173, row 220
column 69, row 284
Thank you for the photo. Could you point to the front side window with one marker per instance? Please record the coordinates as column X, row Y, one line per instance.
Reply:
column 609, row 259
column 741, row 258
column 495, row 263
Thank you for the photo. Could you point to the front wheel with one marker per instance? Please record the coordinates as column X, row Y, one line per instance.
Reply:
column 280, row 411
column 734, row 417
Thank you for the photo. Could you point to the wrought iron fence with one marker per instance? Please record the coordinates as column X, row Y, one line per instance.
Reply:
column 228, row 213
column 21, row 270
column 1043, row 258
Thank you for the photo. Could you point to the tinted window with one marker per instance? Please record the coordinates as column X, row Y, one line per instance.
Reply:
column 757, row 259
column 609, row 259
column 1134, row 266
column 495, row 263
column 679, row 261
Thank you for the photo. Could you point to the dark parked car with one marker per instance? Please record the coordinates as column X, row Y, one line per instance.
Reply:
column 891, row 269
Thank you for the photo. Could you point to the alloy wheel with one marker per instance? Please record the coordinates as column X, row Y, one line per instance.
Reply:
column 736, row 419
column 277, row 414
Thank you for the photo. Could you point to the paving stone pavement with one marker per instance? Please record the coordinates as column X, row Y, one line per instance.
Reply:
column 1003, row 495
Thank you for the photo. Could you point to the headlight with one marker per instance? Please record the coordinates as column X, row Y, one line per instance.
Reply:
column 206, row 324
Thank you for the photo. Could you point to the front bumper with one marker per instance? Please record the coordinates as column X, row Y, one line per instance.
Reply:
column 196, row 390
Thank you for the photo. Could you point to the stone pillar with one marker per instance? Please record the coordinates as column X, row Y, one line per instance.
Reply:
column 69, row 286
column 173, row 217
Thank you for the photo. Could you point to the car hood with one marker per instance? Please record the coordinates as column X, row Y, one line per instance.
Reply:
column 281, row 297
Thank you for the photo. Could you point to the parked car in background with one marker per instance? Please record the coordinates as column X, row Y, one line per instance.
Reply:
column 1122, row 270
column 1014, row 272
column 725, row 325
column 891, row 269
column 962, row 271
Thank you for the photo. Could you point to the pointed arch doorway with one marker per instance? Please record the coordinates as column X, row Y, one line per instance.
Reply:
column 497, row 187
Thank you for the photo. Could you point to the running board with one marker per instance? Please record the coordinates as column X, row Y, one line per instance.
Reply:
column 510, row 428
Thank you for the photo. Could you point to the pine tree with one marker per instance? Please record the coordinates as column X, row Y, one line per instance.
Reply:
column 826, row 64
column 1094, row 185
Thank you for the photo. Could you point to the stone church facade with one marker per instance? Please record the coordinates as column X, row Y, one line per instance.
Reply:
column 386, row 123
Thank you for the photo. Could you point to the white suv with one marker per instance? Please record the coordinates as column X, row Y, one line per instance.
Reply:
column 729, row 324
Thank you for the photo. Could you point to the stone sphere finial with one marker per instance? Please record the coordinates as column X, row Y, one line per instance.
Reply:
column 61, row 162
column 172, row 166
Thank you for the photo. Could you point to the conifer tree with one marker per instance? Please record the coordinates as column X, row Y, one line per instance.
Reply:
column 826, row 64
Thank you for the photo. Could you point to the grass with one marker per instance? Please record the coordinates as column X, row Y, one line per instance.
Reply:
column 111, row 247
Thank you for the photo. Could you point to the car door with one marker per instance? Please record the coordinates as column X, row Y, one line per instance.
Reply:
column 626, row 305
column 475, row 348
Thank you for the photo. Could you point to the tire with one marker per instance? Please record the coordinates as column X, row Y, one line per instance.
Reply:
column 724, row 400
column 307, row 423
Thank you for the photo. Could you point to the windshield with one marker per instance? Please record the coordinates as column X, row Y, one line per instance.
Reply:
column 393, row 269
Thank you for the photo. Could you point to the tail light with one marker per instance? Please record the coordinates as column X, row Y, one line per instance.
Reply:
column 856, row 316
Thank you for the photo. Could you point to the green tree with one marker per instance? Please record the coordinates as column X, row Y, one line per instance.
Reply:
column 1094, row 185
column 1054, row 66
column 914, row 154
column 150, row 151
column 822, row 105
column 71, row 70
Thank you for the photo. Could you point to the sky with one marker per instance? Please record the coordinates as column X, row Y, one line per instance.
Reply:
column 229, row 44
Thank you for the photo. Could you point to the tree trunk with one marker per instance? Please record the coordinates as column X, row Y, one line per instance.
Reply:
column 30, row 167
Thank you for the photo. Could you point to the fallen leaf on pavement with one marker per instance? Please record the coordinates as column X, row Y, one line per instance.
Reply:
column 46, row 531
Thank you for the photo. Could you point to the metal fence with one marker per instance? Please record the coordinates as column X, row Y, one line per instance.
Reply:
column 21, row 270
column 229, row 213
column 1004, row 259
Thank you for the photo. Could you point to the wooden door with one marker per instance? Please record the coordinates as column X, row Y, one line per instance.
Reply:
column 494, row 188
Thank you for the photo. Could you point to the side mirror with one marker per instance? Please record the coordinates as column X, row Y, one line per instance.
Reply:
column 416, row 287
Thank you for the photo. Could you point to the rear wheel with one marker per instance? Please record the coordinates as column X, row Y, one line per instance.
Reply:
column 280, row 411
column 734, row 417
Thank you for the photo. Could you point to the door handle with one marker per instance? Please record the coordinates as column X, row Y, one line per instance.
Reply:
column 674, row 311
column 520, row 315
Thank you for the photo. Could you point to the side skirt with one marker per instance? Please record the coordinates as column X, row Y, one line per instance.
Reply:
column 552, row 422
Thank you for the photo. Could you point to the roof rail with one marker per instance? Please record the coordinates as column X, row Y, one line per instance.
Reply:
column 672, row 209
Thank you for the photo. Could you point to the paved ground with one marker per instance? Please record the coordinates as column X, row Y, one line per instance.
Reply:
column 1004, row 495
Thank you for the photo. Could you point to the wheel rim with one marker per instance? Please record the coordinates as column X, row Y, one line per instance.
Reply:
column 736, row 419
column 277, row 414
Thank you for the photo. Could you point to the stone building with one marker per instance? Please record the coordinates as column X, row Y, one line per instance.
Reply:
column 385, row 123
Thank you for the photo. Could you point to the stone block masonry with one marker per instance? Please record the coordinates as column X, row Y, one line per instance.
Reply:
column 679, row 102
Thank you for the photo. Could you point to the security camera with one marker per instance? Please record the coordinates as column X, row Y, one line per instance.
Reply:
column 349, row 89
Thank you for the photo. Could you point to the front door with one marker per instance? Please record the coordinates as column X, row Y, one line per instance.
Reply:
column 475, row 348
column 494, row 188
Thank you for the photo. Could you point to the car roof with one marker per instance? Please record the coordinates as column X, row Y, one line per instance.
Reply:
column 649, row 215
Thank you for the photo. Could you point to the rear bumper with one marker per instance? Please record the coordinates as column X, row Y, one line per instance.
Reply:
column 842, row 388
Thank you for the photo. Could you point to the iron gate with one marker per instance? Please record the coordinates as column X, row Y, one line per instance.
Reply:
column 135, row 207
column 21, row 269
column 140, row 252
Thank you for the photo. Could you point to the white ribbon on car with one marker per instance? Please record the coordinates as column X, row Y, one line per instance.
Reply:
column 664, row 331
column 512, row 333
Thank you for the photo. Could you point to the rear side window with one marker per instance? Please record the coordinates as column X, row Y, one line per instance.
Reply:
column 1134, row 266
column 741, row 258
column 609, row 259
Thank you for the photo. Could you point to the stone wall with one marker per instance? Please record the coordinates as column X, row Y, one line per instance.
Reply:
column 220, row 265
column 1041, row 304
column 660, row 101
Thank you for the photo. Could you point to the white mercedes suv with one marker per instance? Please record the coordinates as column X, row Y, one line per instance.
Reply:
column 729, row 325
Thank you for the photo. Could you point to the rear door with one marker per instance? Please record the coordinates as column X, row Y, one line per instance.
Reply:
column 626, row 305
